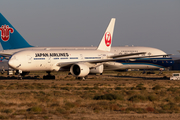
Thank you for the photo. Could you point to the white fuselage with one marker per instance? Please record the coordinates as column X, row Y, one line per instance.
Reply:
column 48, row 62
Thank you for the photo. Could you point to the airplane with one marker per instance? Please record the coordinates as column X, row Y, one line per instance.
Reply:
column 14, row 42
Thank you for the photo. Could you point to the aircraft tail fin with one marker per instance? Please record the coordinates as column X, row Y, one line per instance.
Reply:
column 105, row 44
column 10, row 38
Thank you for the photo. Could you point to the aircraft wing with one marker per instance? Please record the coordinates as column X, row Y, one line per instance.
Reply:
column 122, row 58
column 5, row 55
column 124, row 55
column 90, row 62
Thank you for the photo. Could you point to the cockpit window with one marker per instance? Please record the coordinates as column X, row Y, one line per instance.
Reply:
column 166, row 56
column 175, row 74
column 149, row 53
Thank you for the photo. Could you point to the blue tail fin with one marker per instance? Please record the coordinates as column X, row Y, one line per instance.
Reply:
column 10, row 38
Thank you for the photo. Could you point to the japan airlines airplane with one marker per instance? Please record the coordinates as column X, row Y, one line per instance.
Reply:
column 80, row 62
column 13, row 42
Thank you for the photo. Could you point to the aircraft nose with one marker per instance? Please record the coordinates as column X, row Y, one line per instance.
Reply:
column 11, row 63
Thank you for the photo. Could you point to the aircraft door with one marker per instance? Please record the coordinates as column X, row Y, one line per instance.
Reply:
column 49, row 60
column 81, row 56
column 29, row 58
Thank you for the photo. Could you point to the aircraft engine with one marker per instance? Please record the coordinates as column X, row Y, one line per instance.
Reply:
column 79, row 70
column 97, row 70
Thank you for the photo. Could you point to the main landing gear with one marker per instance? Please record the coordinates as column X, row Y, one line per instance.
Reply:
column 80, row 78
column 49, row 76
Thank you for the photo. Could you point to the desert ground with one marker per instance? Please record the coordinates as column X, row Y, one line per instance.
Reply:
column 111, row 96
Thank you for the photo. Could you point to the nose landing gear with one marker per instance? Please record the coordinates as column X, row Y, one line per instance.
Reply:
column 20, row 74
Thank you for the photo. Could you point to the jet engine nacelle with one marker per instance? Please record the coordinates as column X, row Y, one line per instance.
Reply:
column 79, row 70
column 97, row 70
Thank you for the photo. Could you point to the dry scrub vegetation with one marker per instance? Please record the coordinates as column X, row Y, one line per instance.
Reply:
column 111, row 96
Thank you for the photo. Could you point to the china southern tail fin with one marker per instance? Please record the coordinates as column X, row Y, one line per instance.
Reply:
column 105, row 44
column 10, row 38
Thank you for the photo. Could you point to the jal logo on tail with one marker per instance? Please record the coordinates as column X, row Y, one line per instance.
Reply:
column 5, row 30
column 108, row 39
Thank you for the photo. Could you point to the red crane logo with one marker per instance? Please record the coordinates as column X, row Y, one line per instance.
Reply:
column 5, row 30
column 108, row 39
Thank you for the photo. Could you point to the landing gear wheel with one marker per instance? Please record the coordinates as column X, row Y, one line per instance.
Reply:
column 19, row 77
column 80, row 78
column 49, row 77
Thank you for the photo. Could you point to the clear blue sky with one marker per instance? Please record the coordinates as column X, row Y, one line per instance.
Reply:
column 152, row 23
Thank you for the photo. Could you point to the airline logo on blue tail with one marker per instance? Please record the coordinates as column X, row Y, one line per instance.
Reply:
column 5, row 32
column 10, row 38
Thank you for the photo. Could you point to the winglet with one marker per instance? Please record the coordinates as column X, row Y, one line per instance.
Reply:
column 106, row 42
